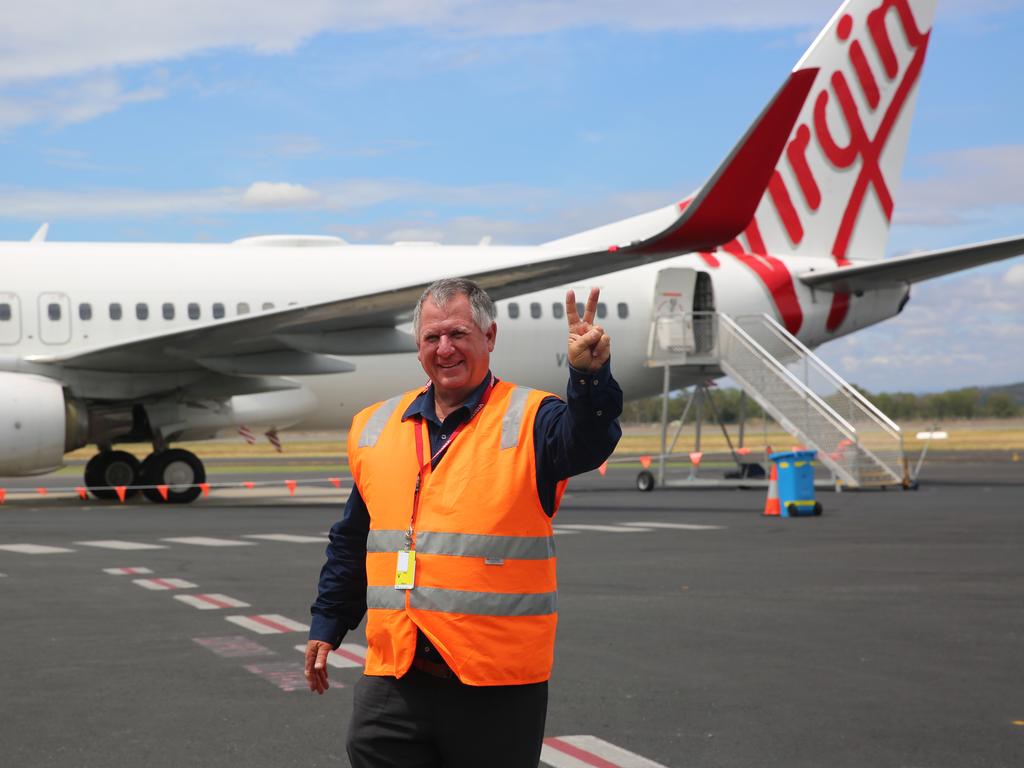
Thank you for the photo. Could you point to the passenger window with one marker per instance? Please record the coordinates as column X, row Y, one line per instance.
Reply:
column 168, row 311
column 53, row 311
column 218, row 311
column 5, row 313
column 85, row 311
column 580, row 309
column 142, row 311
column 513, row 310
column 115, row 311
column 193, row 311
column 534, row 310
column 558, row 310
column 242, row 308
column 602, row 309
column 268, row 305
column 623, row 310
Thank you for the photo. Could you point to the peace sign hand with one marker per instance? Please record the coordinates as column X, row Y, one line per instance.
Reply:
column 589, row 345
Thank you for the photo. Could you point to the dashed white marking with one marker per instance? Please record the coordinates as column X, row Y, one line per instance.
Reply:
column 291, row 538
column 680, row 526
column 268, row 624
column 590, row 752
column 34, row 549
column 602, row 528
column 286, row 675
column 162, row 584
column 127, row 571
column 211, row 602
column 118, row 544
column 206, row 541
column 558, row 532
column 346, row 655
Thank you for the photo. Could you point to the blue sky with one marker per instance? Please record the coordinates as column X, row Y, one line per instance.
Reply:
column 451, row 120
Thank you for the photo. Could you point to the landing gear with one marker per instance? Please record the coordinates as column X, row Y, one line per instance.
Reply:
column 645, row 481
column 109, row 469
column 180, row 470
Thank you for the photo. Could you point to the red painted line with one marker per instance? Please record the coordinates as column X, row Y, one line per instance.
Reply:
column 163, row 583
column 272, row 624
column 214, row 601
column 350, row 656
column 581, row 755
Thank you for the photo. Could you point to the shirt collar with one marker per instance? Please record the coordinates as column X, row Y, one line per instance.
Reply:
column 423, row 404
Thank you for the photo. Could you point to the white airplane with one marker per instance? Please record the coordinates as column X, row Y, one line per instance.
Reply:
column 106, row 343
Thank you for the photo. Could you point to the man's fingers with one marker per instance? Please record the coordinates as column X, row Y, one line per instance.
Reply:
column 316, row 665
column 572, row 316
column 591, row 311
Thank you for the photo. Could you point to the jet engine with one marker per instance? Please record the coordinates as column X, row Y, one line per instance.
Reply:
column 38, row 424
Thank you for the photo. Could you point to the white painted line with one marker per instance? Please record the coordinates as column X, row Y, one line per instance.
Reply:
column 558, row 532
column 602, row 528
column 205, row 541
column 680, row 526
column 117, row 544
column 346, row 655
column 288, row 537
column 163, row 584
column 211, row 602
column 268, row 624
column 590, row 752
column 34, row 549
column 127, row 571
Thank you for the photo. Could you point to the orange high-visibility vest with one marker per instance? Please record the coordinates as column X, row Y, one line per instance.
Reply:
column 485, row 580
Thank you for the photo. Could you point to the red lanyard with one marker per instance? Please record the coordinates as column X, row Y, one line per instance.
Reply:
column 418, row 428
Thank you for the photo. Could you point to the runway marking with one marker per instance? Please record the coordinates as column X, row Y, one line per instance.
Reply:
column 206, row 541
column 590, row 752
column 117, row 544
column 601, row 528
column 163, row 584
column 286, row 675
column 559, row 532
column 211, row 602
column 34, row 549
column 346, row 656
column 287, row 537
column 680, row 526
column 233, row 646
column 138, row 570
column 268, row 623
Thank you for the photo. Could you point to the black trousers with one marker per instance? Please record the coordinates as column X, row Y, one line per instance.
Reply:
column 419, row 721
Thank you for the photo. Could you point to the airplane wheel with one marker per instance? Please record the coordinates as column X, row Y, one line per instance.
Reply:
column 180, row 470
column 112, row 468
column 645, row 481
column 817, row 509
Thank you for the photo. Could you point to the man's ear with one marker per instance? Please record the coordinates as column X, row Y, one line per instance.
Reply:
column 492, row 335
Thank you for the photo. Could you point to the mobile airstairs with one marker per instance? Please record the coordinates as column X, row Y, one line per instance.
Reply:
column 855, row 441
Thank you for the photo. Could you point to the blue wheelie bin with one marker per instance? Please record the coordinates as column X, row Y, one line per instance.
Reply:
column 796, row 483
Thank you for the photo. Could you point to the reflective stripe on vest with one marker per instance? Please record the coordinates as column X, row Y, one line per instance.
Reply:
column 466, row 544
column 464, row 602
column 376, row 423
column 513, row 417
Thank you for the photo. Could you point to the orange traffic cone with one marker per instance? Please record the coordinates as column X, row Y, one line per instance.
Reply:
column 772, row 506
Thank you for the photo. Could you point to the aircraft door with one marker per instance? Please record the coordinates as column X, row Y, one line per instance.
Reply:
column 54, row 318
column 676, row 331
column 10, row 318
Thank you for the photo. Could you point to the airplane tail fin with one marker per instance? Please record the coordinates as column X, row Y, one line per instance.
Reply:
column 831, row 195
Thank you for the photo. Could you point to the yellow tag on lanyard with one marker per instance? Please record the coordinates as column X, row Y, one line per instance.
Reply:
column 405, row 572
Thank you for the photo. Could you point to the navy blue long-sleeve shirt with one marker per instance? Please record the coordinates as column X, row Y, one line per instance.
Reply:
column 571, row 436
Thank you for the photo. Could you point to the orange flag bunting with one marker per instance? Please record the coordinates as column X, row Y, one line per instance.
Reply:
column 291, row 486
column 162, row 490
column 122, row 491
column 83, row 493
column 743, row 451
column 695, row 457
column 249, row 484
column 3, row 495
column 335, row 481
column 603, row 468
column 205, row 487
column 645, row 462
column 41, row 491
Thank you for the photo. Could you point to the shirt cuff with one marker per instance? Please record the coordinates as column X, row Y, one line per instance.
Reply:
column 327, row 630
column 582, row 383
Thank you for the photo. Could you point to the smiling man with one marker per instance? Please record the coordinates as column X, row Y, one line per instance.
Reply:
column 446, row 542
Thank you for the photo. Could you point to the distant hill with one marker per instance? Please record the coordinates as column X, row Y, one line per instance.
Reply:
column 1014, row 391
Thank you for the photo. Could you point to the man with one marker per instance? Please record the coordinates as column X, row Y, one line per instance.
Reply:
column 446, row 542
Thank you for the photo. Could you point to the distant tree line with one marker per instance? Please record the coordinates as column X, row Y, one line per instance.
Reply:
column 968, row 403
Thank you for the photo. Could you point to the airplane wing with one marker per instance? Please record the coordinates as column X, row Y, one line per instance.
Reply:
column 304, row 340
column 913, row 268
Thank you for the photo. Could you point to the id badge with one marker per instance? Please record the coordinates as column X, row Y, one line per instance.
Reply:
column 405, row 572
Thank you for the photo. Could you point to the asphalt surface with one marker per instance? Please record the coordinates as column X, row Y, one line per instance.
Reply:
column 888, row 632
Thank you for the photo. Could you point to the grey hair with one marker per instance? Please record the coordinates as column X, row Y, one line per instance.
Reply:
column 444, row 290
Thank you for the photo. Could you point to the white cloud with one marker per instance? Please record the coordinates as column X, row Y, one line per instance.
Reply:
column 73, row 102
column 1015, row 275
column 269, row 194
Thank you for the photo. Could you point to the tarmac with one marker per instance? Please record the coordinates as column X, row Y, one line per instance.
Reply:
column 693, row 631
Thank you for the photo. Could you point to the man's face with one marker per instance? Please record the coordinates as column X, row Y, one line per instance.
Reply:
column 453, row 351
